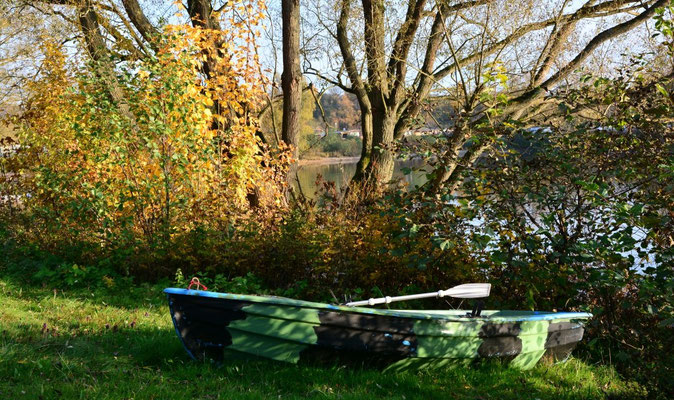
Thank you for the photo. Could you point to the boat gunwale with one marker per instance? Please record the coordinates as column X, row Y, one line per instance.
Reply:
column 412, row 314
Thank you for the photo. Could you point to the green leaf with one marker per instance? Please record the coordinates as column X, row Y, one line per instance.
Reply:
column 662, row 90
column 446, row 244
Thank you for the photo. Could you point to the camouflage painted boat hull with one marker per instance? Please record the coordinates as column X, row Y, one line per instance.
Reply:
column 298, row 331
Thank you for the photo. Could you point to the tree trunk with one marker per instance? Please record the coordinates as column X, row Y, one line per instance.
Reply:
column 378, row 123
column 99, row 53
column 450, row 158
column 380, row 169
column 291, row 79
column 140, row 21
column 366, row 132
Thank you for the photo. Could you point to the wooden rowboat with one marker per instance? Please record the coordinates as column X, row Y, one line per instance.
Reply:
column 298, row 331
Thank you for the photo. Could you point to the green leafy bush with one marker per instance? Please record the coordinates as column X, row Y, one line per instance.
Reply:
column 578, row 215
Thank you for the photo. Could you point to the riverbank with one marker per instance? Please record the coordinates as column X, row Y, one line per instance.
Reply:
column 328, row 161
column 120, row 343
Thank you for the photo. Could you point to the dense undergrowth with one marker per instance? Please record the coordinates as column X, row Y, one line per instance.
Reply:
column 40, row 278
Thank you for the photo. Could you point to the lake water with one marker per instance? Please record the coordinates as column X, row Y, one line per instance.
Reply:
column 340, row 172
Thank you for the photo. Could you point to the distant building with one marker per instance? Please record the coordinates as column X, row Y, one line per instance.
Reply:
column 350, row 133
column 424, row 132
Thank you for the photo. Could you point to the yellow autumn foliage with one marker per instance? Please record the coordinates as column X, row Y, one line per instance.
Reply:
column 180, row 151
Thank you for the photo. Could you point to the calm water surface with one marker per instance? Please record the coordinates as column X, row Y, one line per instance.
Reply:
column 341, row 173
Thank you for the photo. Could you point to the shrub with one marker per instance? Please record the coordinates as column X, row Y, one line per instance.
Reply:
column 578, row 216
column 177, row 154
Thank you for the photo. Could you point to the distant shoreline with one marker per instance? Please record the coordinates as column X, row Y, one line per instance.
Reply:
column 329, row 160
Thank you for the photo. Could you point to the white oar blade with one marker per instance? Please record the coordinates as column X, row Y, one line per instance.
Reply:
column 469, row 291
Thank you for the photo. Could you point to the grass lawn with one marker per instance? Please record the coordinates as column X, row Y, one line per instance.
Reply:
column 120, row 343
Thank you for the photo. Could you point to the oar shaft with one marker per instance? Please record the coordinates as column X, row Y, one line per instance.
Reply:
column 465, row 291
column 388, row 299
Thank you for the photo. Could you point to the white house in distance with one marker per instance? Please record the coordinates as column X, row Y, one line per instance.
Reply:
column 350, row 133
column 424, row 132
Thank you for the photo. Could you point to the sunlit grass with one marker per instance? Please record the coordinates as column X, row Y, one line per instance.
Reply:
column 120, row 343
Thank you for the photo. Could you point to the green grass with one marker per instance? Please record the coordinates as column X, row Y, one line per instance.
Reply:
column 120, row 343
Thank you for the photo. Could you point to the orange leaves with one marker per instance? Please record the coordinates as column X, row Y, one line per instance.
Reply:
column 180, row 152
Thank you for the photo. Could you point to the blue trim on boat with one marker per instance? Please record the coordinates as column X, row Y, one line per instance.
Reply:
column 417, row 314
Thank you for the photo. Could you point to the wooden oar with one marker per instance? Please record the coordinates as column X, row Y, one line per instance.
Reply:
column 465, row 291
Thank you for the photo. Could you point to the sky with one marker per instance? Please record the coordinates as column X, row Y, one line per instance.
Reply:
column 320, row 51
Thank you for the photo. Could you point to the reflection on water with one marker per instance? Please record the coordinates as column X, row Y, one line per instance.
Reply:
column 341, row 174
